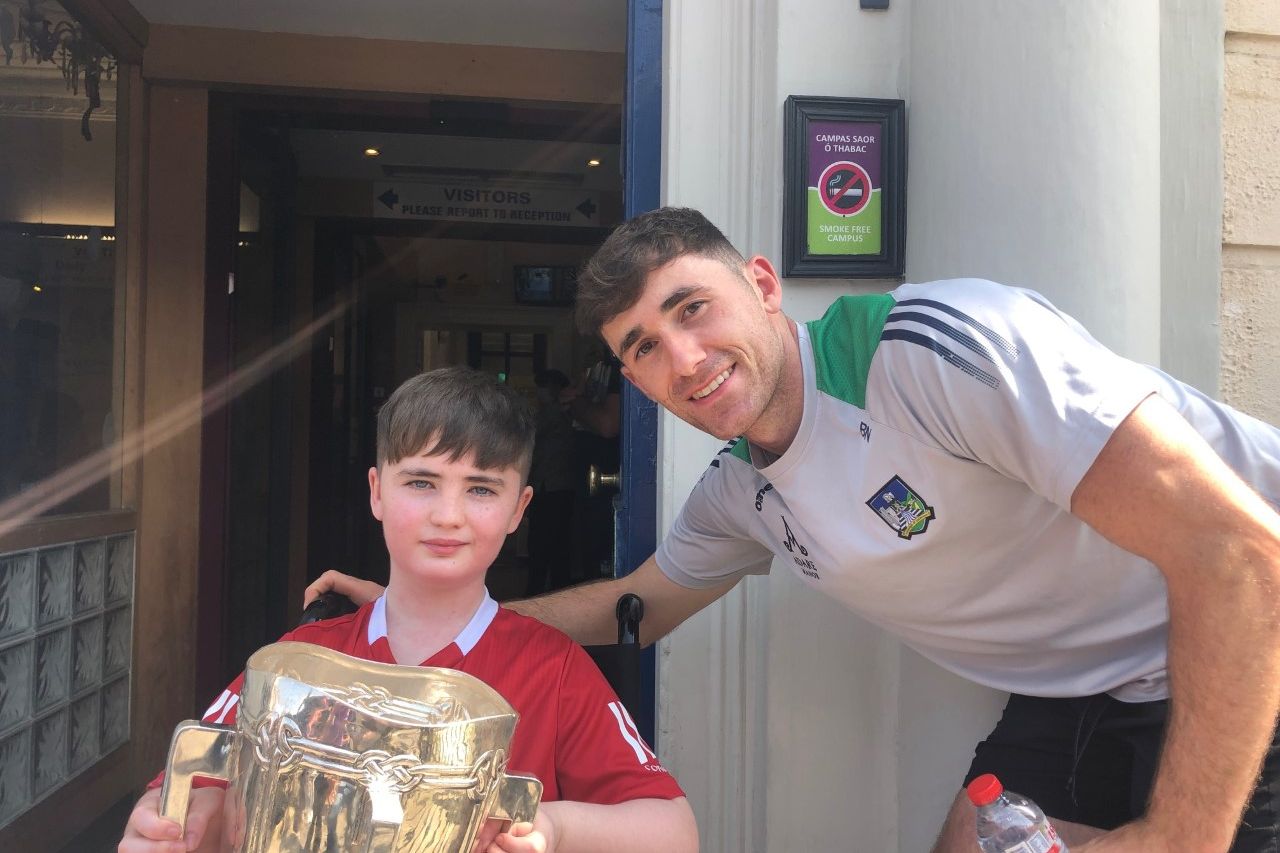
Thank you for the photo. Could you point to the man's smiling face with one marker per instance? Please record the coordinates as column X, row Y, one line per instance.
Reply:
column 704, row 342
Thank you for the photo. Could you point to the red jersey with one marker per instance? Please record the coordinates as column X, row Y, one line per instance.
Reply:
column 573, row 734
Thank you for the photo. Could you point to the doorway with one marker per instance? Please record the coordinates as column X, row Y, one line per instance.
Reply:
column 317, row 414
column 353, row 245
column 422, row 296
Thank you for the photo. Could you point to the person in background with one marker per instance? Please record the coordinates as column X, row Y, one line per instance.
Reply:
column 551, row 530
column 595, row 405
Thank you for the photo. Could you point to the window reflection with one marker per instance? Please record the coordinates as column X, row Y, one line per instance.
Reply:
column 60, row 358
column 56, row 358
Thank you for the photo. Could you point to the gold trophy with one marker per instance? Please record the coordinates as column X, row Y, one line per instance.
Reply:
column 335, row 753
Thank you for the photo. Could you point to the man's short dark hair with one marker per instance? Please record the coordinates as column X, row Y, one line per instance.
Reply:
column 456, row 411
column 612, row 281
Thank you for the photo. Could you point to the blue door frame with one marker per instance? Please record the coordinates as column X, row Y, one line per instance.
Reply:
column 636, row 525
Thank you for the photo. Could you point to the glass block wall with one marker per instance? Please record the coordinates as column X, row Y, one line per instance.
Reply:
column 66, row 621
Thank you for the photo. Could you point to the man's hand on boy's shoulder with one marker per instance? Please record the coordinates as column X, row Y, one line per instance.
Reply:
column 359, row 591
column 147, row 832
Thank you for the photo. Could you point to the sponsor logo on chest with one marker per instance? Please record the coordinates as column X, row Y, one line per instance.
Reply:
column 798, row 551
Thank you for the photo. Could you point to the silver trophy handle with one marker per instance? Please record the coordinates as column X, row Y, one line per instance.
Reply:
column 518, row 798
column 197, row 749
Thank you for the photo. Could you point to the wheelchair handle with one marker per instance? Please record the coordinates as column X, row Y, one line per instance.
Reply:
column 630, row 610
column 327, row 605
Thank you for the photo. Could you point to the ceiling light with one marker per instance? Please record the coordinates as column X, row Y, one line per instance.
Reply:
column 37, row 288
column 593, row 162
column 371, row 152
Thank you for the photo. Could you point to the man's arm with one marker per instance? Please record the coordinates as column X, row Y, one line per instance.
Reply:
column 1158, row 490
column 586, row 613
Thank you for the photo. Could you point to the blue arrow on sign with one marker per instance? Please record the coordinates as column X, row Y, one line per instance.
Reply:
column 389, row 198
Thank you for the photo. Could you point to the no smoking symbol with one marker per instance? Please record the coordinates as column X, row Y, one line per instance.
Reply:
column 845, row 188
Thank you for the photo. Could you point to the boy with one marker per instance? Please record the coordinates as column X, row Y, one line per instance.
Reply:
column 453, row 457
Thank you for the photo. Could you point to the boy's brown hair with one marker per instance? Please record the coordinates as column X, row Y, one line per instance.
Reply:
column 456, row 411
column 613, row 279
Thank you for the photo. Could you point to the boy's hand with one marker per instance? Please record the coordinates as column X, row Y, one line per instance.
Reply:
column 147, row 832
column 537, row 837
column 359, row 591
column 521, row 838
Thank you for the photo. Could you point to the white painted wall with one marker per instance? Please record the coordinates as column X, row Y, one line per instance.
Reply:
column 1191, row 183
column 1035, row 155
column 720, row 149
column 1035, row 137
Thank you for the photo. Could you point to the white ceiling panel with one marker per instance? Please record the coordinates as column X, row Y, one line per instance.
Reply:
column 598, row 25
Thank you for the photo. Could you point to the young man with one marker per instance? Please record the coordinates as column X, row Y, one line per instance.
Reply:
column 965, row 466
column 454, row 451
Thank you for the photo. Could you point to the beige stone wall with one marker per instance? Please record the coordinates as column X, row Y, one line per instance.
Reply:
column 1250, row 312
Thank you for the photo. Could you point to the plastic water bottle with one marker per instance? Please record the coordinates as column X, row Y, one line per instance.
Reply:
column 1009, row 822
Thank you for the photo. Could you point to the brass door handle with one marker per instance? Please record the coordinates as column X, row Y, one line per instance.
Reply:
column 597, row 481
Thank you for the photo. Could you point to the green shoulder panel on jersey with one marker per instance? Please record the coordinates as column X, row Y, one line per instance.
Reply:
column 844, row 342
column 736, row 447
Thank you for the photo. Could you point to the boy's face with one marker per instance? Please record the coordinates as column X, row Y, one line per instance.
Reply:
column 702, row 342
column 445, row 521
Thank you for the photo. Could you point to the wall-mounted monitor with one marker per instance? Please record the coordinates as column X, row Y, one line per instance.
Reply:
column 546, row 285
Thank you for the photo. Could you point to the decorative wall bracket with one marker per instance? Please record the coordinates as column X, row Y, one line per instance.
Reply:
column 43, row 31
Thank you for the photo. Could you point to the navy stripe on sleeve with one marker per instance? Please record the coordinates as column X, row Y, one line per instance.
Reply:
column 934, row 323
column 946, row 354
column 995, row 338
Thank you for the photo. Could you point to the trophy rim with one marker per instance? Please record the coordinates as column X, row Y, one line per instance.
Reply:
column 330, row 670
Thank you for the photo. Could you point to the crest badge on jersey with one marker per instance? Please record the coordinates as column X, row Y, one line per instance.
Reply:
column 902, row 509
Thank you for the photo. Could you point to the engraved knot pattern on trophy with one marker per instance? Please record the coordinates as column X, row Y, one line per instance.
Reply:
column 379, row 701
column 279, row 743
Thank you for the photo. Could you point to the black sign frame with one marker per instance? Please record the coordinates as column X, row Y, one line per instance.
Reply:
column 800, row 162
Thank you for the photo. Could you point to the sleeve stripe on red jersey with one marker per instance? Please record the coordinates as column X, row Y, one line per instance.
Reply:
column 217, row 705
column 230, row 699
column 630, row 734
column 227, row 710
column 631, row 725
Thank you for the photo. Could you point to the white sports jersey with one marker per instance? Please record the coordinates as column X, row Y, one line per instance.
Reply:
column 945, row 428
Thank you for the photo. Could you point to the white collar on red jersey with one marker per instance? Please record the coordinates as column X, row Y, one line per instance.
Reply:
column 466, row 639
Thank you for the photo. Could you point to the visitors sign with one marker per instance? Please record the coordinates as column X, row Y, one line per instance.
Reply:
column 494, row 205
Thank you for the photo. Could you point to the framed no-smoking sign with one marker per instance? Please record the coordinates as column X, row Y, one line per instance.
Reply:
column 844, row 210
